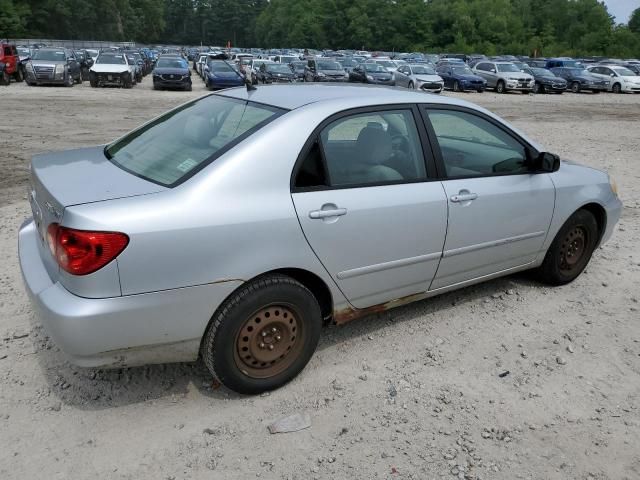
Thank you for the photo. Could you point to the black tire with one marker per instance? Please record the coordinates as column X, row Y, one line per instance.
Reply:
column 79, row 80
column 617, row 88
column 239, row 314
column 127, row 82
column 189, row 88
column 571, row 249
column 411, row 86
column 537, row 88
column 500, row 87
column 93, row 83
column 595, row 91
column 5, row 79
column 575, row 87
column 18, row 77
column 68, row 80
column 456, row 86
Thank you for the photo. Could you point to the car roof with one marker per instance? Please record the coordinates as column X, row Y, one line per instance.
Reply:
column 295, row 96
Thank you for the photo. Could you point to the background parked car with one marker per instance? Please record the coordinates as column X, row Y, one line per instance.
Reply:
column 275, row 73
column 321, row 70
column 112, row 69
column 459, row 78
column 419, row 77
column 85, row 61
column 580, row 79
column 53, row 66
column 298, row 67
column 563, row 62
column 545, row 80
column 371, row 73
column 137, row 67
column 619, row 79
column 171, row 72
column 5, row 79
column 9, row 56
column 504, row 77
column 221, row 74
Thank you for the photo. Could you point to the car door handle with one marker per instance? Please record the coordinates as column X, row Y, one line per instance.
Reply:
column 464, row 197
column 334, row 212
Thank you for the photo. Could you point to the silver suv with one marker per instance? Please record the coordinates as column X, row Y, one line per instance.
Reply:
column 504, row 76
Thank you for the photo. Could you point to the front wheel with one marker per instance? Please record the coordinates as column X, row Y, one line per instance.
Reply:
column 500, row 87
column 411, row 86
column 456, row 86
column 263, row 335
column 18, row 76
column 68, row 81
column 617, row 88
column 571, row 250
column 575, row 87
column 537, row 88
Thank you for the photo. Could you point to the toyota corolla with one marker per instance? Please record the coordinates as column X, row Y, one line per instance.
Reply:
column 235, row 225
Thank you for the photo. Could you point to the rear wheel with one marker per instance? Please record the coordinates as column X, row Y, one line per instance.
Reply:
column 127, row 82
column 68, row 80
column 18, row 75
column 263, row 335
column 571, row 250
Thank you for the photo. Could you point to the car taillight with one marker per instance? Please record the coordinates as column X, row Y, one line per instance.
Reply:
column 81, row 252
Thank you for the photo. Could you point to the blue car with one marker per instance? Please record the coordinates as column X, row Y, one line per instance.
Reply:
column 220, row 74
column 460, row 78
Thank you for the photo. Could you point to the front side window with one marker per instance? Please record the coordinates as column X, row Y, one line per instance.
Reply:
column 370, row 149
column 472, row 146
column 170, row 148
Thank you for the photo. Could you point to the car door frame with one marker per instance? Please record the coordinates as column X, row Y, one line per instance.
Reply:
column 431, row 177
column 530, row 152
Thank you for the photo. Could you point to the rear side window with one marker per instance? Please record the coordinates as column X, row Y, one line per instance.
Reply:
column 176, row 145
column 7, row 51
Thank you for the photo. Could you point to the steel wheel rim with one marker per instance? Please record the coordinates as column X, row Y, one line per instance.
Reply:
column 269, row 341
column 573, row 248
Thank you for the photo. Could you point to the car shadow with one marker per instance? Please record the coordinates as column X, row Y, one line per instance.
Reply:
column 97, row 389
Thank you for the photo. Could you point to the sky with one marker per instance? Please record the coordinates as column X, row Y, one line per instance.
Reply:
column 621, row 9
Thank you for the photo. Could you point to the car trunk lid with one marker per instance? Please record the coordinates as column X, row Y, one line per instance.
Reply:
column 62, row 179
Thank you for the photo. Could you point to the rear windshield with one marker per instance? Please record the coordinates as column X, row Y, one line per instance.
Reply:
column 173, row 147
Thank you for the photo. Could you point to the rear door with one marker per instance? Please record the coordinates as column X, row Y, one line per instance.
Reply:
column 367, row 205
column 499, row 212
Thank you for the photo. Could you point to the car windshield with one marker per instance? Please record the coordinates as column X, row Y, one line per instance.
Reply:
column 422, row 70
column 287, row 59
column 111, row 59
column 51, row 55
column 374, row 67
column 278, row 68
column 347, row 62
column 386, row 63
column 572, row 64
column 299, row 66
column 462, row 71
column 174, row 146
column 171, row 63
column 625, row 72
column 329, row 66
column 220, row 66
column 507, row 67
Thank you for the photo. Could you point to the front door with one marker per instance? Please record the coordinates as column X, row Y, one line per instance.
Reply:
column 499, row 212
column 367, row 207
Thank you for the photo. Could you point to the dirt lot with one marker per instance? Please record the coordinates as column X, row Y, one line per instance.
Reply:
column 412, row 393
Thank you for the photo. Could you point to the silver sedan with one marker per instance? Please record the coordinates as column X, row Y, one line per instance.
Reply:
column 419, row 77
column 235, row 225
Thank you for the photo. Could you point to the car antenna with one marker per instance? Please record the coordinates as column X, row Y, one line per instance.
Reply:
column 250, row 87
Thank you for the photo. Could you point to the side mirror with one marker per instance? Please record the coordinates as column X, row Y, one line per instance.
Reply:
column 206, row 68
column 493, row 70
column 612, row 75
column 546, row 162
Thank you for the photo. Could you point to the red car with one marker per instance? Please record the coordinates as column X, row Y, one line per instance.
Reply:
column 9, row 56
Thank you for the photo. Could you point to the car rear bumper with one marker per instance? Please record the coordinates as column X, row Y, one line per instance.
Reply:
column 154, row 327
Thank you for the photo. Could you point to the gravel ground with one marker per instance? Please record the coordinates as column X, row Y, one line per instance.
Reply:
column 416, row 392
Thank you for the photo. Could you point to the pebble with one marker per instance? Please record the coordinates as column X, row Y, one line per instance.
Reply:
column 363, row 377
column 561, row 360
column 16, row 336
column 569, row 348
column 56, row 407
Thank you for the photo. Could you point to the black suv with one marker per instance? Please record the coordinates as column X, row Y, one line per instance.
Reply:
column 580, row 79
